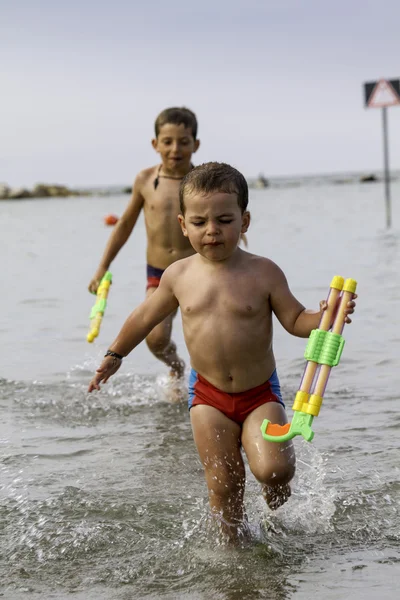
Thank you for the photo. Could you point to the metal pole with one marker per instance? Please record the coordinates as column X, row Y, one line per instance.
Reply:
column 386, row 167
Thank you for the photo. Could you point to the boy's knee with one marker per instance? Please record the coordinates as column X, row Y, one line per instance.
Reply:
column 157, row 341
column 274, row 474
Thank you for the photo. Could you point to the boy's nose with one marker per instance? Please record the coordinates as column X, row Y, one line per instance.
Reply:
column 212, row 228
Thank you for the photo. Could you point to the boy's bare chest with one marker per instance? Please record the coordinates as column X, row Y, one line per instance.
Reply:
column 162, row 201
column 161, row 216
column 167, row 203
column 237, row 295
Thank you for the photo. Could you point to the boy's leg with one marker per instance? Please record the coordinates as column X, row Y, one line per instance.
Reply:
column 160, row 344
column 273, row 464
column 217, row 439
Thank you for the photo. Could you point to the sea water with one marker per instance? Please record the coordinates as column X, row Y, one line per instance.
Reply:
column 102, row 496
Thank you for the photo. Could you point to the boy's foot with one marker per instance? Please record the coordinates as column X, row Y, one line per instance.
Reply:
column 277, row 495
column 175, row 391
column 174, row 386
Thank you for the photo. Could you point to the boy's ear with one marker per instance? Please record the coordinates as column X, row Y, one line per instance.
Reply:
column 196, row 145
column 245, row 221
column 181, row 220
column 154, row 143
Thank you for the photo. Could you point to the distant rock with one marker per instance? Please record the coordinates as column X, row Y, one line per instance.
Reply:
column 40, row 190
column 43, row 190
column 368, row 178
column 18, row 193
column 127, row 190
column 4, row 191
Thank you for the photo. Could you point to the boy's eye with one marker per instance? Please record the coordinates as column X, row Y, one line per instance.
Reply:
column 225, row 221
column 198, row 223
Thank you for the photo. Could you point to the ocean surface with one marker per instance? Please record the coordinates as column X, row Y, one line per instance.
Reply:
column 102, row 496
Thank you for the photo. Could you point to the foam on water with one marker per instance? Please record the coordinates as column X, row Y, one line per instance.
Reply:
column 151, row 529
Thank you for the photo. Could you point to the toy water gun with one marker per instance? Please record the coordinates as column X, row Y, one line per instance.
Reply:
column 323, row 351
column 97, row 312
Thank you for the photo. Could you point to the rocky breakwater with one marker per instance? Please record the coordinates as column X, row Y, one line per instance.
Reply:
column 41, row 190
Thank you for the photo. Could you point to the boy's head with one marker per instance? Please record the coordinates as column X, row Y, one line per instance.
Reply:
column 214, row 177
column 175, row 141
column 177, row 116
column 213, row 200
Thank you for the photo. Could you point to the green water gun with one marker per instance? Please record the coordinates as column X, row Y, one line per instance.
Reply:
column 323, row 351
column 97, row 312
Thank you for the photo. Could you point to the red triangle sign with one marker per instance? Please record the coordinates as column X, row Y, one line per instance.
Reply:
column 383, row 95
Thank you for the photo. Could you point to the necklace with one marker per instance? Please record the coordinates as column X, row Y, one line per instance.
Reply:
column 158, row 176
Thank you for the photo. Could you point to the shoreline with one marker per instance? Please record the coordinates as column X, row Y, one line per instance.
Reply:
column 43, row 190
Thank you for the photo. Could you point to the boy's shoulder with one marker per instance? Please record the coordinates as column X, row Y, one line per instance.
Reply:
column 146, row 175
column 259, row 262
column 181, row 266
column 264, row 268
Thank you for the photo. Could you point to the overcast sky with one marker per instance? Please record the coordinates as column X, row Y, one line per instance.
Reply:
column 276, row 84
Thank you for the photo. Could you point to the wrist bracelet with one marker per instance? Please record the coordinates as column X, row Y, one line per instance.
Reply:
column 113, row 354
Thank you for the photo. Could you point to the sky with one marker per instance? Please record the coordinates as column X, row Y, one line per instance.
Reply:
column 277, row 85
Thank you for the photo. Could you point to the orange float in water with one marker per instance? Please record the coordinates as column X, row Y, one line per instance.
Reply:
column 110, row 220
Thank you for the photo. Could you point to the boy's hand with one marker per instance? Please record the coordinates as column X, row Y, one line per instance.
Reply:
column 323, row 305
column 108, row 367
column 350, row 309
column 95, row 282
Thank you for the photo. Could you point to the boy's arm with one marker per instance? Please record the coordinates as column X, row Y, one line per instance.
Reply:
column 292, row 315
column 146, row 316
column 120, row 233
column 137, row 326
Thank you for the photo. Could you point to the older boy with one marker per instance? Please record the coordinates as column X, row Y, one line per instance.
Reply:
column 227, row 297
column 156, row 192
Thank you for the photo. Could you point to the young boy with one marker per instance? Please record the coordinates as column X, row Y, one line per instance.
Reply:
column 156, row 192
column 227, row 297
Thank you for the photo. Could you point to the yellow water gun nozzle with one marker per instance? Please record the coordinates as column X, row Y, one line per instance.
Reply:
column 98, row 310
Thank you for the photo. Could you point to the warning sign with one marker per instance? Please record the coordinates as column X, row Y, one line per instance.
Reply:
column 385, row 92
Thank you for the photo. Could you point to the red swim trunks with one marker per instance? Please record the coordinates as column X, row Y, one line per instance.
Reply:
column 153, row 277
column 234, row 406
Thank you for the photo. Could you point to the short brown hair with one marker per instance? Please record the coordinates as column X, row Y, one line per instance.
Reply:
column 177, row 116
column 214, row 177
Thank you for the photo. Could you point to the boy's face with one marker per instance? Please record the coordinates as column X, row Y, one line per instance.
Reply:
column 213, row 223
column 175, row 144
